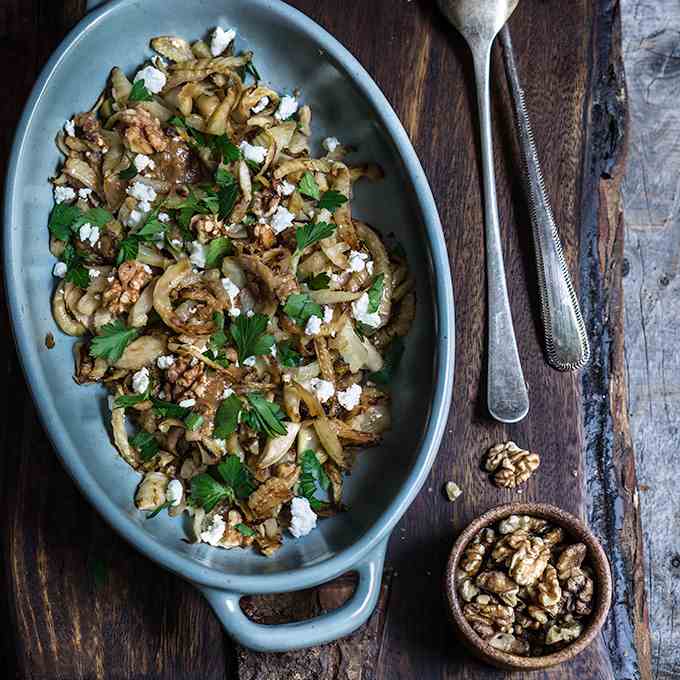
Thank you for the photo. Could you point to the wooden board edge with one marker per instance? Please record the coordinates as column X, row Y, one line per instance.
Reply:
column 614, row 511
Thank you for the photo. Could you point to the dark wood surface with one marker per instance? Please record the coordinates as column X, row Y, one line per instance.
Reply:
column 77, row 602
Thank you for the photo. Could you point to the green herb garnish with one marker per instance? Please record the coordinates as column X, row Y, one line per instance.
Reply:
column 312, row 474
column 244, row 530
column 287, row 356
column 227, row 196
column 224, row 177
column 319, row 282
column 308, row 186
column 166, row 409
column 129, row 172
column 217, row 250
column 112, row 341
column 194, row 421
column 299, row 307
column 158, row 510
column 129, row 249
column 61, row 219
column 265, row 416
column 79, row 276
column 311, row 233
column 331, row 201
column 207, row 492
column 140, row 93
column 249, row 335
column 226, row 418
column 146, row 444
column 375, row 293
column 128, row 400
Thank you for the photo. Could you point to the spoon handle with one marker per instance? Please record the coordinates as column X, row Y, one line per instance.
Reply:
column 507, row 397
column 566, row 340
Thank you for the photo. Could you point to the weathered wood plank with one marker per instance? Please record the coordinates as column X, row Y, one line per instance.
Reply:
column 651, row 194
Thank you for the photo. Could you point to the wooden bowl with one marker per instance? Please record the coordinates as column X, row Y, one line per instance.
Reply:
column 575, row 529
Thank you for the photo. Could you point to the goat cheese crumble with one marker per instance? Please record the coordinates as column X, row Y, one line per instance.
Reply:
column 187, row 403
column 282, row 219
column 357, row 261
column 140, row 380
column 286, row 188
column 89, row 233
column 165, row 362
column 261, row 105
column 287, row 107
column 303, row 518
column 221, row 39
column 64, row 194
column 84, row 193
column 313, row 326
column 350, row 397
column 324, row 389
column 253, row 153
column 70, row 128
column 143, row 162
column 249, row 361
column 59, row 270
column 174, row 492
column 327, row 314
column 154, row 80
column 330, row 144
column 213, row 534
column 361, row 313
column 198, row 254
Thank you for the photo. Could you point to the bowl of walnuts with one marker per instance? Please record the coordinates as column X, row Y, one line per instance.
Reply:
column 529, row 586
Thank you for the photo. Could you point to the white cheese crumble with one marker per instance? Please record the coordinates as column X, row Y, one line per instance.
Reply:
column 94, row 273
column 253, row 153
column 227, row 393
column 60, row 270
column 163, row 217
column 323, row 389
column 140, row 380
column 282, row 219
column 198, row 254
column 144, row 193
column 213, row 534
column 89, row 233
column 361, row 313
column 261, row 105
column 287, row 107
column 232, row 290
column 327, row 314
column 143, row 162
column 70, row 128
column 84, row 193
column 350, row 397
column 273, row 351
column 330, row 144
column 165, row 362
column 249, row 361
column 64, row 194
column 154, row 80
column 174, row 492
column 187, row 403
column 221, row 40
column 313, row 326
column 176, row 243
column 134, row 218
column 369, row 267
column 303, row 518
column 357, row 261
column 286, row 188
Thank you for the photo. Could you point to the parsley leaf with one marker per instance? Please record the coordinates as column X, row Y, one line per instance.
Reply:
column 127, row 400
column 226, row 418
column 244, row 530
column 311, row 233
column 140, row 93
column 331, row 200
column 207, row 492
column 392, row 357
column 129, row 249
column 97, row 216
column 193, row 421
column 78, row 275
column 223, row 176
column 227, row 196
column 61, row 219
column 287, row 356
column 146, row 444
column 319, row 282
column 219, row 338
column 114, row 338
column 312, row 473
column 265, row 416
column 217, row 250
column 224, row 148
column 152, row 227
column 308, row 186
column 129, row 172
column 158, row 510
column 249, row 335
column 178, row 122
column 166, row 409
column 237, row 476
column 375, row 293
column 299, row 307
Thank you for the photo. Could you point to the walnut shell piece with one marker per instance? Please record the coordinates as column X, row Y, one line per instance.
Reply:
column 511, row 465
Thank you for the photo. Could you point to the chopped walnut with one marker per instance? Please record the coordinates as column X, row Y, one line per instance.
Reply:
column 141, row 131
column 511, row 465
column 269, row 496
column 207, row 228
column 452, row 491
column 184, row 377
column 523, row 589
column 125, row 289
column 265, row 236
column 91, row 127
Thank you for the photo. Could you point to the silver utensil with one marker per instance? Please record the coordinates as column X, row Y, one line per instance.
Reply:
column 566, row 340
column 479, row 22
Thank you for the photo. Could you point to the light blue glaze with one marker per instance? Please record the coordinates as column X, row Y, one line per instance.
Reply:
column 291, row 51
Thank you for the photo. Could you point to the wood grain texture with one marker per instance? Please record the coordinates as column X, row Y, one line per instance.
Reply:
column 82, row 604
column 651, row 194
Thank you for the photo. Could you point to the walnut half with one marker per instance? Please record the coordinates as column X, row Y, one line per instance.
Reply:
column 511, row 465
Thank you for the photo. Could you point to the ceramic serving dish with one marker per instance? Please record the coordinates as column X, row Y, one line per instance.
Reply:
column 292, row 52
column 573, row 528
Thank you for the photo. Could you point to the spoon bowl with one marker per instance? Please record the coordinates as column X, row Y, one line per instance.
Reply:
column 478, row 20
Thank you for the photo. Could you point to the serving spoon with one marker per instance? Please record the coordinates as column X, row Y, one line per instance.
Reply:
column 479, row 21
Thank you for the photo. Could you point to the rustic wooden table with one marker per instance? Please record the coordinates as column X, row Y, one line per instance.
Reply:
column 81, row 604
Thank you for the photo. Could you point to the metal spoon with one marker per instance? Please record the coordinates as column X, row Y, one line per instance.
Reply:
column 566, row 340
column 479, row 22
